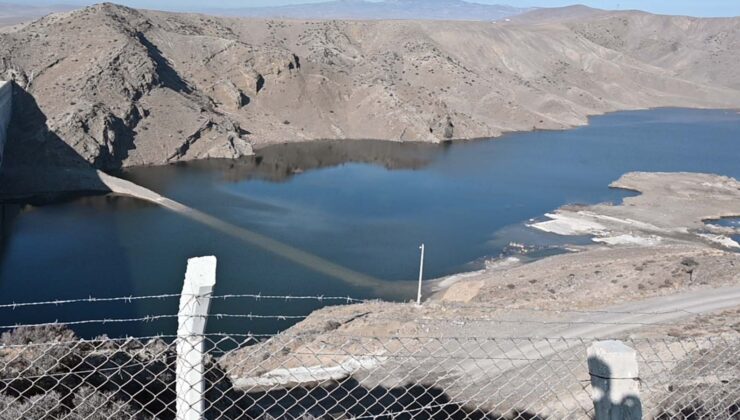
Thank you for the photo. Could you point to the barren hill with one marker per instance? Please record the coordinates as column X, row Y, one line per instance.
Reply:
column 122, row 87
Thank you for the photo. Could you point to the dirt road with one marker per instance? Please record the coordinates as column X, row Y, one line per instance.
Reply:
column 612, row 322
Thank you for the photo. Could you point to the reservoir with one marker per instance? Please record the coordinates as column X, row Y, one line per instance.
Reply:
column 365, row 205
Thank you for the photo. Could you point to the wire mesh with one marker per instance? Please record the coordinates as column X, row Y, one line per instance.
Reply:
column 47, row 372
column 691, row 377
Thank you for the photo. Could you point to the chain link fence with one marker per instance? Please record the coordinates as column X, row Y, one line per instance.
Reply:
column 318, row 370
column 47, row 373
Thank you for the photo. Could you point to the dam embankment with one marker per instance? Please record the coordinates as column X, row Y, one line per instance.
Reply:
column 6, row 108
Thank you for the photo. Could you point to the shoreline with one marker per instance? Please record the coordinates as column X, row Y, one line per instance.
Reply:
column 429, row 89
column 605, row 293
column 636, row 220
column 632, row 224
column 86, row 182
column 606, row 223
column 261, row 146
column 651, row 187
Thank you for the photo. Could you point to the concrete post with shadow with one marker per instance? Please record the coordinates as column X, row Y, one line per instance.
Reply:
column 615, row 383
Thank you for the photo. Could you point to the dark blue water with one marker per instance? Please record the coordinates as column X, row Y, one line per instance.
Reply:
column 732, row 222
column 364, row 205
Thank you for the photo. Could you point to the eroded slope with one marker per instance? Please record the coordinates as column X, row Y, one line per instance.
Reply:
column 115, row 86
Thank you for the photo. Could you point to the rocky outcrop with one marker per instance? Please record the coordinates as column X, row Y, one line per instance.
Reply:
column 115, row 94
column 123, row 87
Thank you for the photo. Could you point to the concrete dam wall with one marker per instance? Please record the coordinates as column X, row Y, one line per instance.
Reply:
column 6, row 95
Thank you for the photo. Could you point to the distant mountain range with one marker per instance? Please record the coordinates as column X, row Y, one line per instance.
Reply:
column 455, row 10
column 388, row 9
column 12, row 13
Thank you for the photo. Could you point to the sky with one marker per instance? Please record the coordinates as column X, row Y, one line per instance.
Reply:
column 673, row 7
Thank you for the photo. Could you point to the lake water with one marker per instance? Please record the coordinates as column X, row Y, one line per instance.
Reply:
column 732, row 222
column 364, row 205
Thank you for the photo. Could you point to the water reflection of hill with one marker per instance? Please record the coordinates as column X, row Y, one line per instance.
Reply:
column 280, row 162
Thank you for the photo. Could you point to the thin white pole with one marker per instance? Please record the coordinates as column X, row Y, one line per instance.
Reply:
column 195, row 299
column 421, row 275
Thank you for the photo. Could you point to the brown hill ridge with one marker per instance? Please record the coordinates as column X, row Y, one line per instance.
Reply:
column 128, row 87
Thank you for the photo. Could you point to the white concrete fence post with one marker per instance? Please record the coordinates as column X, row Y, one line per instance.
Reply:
column 615, row 381
column 200, row 278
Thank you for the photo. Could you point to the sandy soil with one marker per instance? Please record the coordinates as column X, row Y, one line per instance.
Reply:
column 592, row 279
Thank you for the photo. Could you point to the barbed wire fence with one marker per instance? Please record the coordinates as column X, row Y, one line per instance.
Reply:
column 322, row 369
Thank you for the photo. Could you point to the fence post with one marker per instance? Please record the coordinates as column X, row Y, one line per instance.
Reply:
column 615, row 383
column 200, row 278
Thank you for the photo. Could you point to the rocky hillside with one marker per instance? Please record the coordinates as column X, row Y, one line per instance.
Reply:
column 118, row 87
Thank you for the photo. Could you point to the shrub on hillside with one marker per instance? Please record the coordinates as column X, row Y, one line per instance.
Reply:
column 88, row 404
